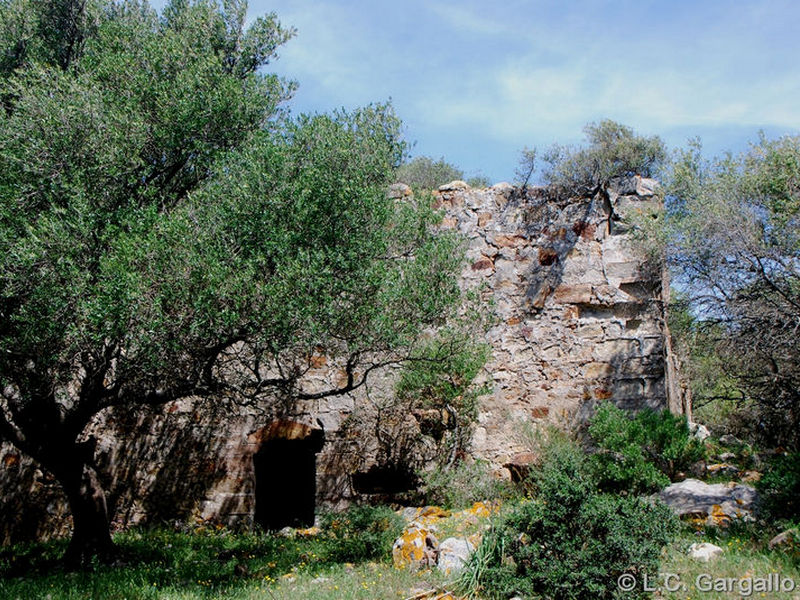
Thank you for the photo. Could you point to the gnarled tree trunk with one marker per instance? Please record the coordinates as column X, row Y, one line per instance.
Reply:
column 91, row 536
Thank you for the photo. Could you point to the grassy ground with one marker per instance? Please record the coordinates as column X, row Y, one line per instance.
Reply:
column 173, row 566
column 734, row 574
column 209, row 564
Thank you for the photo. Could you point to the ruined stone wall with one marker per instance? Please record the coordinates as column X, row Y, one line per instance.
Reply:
column 577, row 317
column 580, row 314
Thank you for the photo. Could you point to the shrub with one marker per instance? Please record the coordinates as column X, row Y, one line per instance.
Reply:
column 613, row 150
column 462, row 485
column 570, row 541
column 361, row 533
column 479, row 181
column 424, row 173
column 640, row 453
column 780, row 488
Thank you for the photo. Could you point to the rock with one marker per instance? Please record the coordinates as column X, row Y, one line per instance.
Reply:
column 699, row 431
column 399, row 190
column 750, row 476
column 704, row 552
column 645, row 187
column 454, row 554
column 520, row 465
column 636, row 184
column 308, row 532
column 716, row 504
column 454, row 186
column 788, row 539
column 423, row 514
column 722, row 468
column 503, row 187
column 727, row 456
column 416, row 549
column 729, row 440
column 573, row 294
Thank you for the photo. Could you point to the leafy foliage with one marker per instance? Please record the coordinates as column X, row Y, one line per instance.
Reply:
column 780, row 487
column 613, row 150
column 570, row 541
column 641, row 453
column 425, row 173
column 462, row 484
column 166, row 231
column 429, row 415
column 361, row 533
column 731, row 236
column 479, row 181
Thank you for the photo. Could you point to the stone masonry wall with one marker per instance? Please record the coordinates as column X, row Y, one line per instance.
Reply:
column 578, row 318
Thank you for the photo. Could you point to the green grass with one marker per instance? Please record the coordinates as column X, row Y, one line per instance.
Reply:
column 170, row 565
column 208, row 563
column 746, row 558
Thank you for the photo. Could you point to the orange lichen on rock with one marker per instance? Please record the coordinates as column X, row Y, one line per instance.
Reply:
column 415, row 548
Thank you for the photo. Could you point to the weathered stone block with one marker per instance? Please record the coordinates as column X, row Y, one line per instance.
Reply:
column 573, row 294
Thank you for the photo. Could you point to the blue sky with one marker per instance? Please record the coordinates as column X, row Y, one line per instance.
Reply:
column 476, row 81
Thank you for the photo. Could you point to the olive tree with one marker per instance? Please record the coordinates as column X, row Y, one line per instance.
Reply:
column 424, row 173
column 165, row 232
column 732, row 235
column 612, row 150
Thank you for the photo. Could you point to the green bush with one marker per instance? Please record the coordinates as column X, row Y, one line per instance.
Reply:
column 570, row 541
column 424, row 173
column 780, row 488
column 640, row 453
column 361, row 533
column 613, row 150
column 462, row 485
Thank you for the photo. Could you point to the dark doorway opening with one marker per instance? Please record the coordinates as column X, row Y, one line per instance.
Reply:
column 286, row 483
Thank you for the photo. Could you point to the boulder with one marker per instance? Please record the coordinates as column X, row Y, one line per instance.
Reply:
column 423, row 516
column 729, row 440
column 454, row 186
column 787, row 539
column 699, row 431
column 503, row 187
column 704, row 552
column 635, row 185
column 750, row 476
column 454, row 554
column 416, row 548
column 716, row 504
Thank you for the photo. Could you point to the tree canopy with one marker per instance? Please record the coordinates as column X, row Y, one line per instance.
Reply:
column 166, row 231
column 612, row 150
column 425, row 173
column 733, row 241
